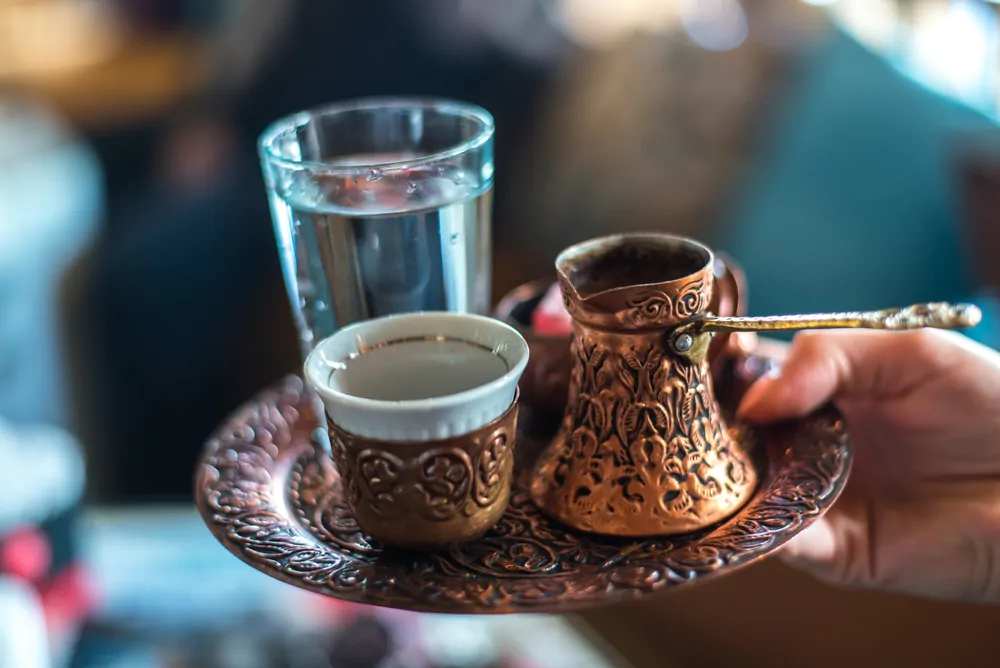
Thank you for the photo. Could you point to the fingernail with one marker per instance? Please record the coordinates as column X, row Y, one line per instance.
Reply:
column 756, row 396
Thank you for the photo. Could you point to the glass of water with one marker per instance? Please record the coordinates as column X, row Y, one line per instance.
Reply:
column 381, row 206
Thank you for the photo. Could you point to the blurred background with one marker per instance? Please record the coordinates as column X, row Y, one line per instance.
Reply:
column 845, row 152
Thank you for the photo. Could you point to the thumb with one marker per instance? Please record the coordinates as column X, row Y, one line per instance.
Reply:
column 836, row 548
column 847, row 364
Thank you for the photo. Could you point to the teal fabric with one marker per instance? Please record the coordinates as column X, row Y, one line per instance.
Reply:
column 854, row 203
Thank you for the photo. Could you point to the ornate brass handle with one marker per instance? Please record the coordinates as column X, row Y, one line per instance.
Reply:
column 936, row 315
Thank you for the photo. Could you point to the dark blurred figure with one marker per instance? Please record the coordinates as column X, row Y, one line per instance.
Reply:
column 834, row 180
column 790, row 145
column 766, row 130
column 184, row 306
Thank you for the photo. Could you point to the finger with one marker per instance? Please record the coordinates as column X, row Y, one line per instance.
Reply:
column 815, row 548
column 770, row 348
column 847, row 364
column 815, row 552
column 835, row 548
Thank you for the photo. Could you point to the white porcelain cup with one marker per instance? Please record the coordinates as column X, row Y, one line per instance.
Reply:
column 418, row 376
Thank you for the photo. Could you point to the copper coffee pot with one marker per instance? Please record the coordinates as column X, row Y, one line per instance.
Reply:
column 643, row 449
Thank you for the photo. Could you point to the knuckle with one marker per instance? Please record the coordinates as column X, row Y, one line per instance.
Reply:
column 809, row 343
column 923, row 344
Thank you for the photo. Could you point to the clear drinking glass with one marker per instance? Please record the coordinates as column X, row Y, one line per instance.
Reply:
column 381, row 206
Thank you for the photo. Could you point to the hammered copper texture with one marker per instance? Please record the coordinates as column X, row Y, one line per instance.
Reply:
column 545, row 382
column 426, row 494
column 643, row 449
column 273, row 499
column 605, row 282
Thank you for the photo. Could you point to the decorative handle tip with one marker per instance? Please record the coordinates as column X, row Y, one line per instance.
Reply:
column 936, row 315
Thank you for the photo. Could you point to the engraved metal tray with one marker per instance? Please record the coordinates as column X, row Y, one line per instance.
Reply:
column 270, row 495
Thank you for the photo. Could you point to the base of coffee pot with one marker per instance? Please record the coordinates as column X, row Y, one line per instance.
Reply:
column 662, row 491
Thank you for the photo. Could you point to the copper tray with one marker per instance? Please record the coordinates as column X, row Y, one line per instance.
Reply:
column 269, row 494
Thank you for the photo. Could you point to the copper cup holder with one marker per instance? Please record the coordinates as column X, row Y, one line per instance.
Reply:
column 425, row 495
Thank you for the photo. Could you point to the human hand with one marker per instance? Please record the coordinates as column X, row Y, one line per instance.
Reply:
column 921, row 512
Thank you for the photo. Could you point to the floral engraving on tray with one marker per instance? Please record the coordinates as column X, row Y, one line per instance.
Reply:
column 275, row 500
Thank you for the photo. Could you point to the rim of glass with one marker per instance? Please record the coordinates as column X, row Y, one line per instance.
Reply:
column 286, row 123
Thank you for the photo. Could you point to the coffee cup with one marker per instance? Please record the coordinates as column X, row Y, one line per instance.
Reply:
column 422, row 415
